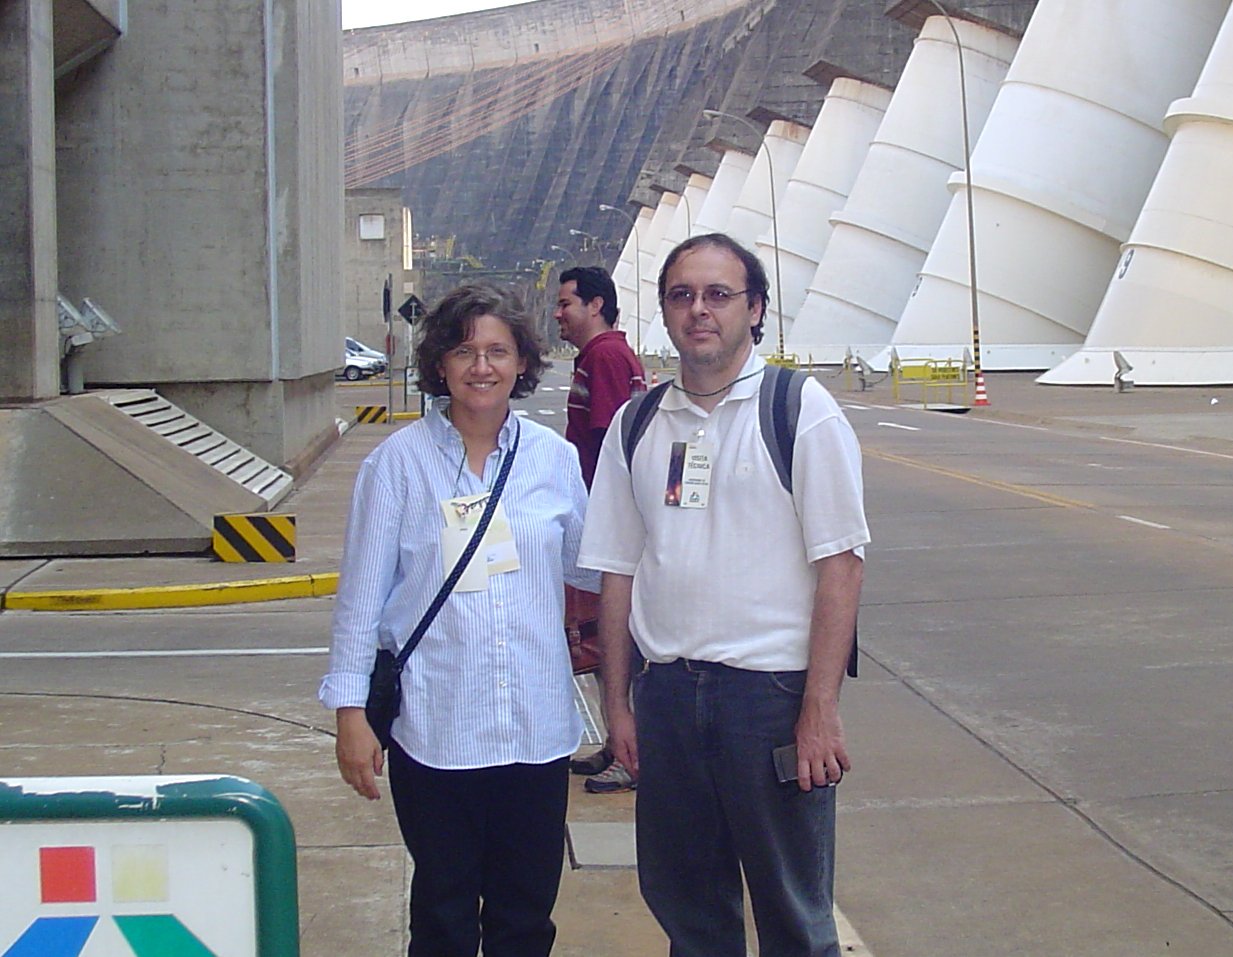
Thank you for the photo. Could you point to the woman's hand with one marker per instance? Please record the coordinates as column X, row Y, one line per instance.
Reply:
column 360, row 759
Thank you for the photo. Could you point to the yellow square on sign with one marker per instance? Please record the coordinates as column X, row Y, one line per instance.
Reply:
column 139, row 873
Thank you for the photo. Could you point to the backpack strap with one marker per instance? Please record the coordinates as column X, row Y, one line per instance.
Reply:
column 636, row 418
column 779, row 410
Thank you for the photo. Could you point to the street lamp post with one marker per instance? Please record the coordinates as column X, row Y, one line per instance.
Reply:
column 981, row 398
column 568, row 253
column 770, row 166
column 585, row 237
column 604, row 207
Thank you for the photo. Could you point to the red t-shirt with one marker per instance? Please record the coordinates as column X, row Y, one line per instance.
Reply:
column 606, row 374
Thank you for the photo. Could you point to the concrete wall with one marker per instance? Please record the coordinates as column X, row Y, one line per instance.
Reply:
column 200, row 204
column 513, row 125
column 508, row 36
column 367, row 263
column 29, row 356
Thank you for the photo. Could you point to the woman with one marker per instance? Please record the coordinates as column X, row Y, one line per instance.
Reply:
column 479, row 763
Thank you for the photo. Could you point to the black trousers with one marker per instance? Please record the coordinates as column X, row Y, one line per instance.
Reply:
column 488, row 846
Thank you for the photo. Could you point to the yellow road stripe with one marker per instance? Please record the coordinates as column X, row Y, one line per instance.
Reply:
column 174, row 596
column 1023, row 490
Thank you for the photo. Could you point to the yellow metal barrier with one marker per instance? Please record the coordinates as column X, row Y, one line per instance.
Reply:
column 930, row 375
column 262, row 537
column 370, row 414
column 787, row 360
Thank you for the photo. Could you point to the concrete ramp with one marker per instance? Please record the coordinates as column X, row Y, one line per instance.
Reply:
column 79, row 476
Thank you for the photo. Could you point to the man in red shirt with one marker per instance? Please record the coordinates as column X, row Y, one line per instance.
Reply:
column 606, row 371
column 606, row 374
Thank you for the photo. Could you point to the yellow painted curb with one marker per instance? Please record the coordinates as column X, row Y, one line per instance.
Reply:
column 174, row 596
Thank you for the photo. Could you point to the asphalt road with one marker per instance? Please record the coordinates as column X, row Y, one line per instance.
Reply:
column 1041, row 729
column 1043, row 738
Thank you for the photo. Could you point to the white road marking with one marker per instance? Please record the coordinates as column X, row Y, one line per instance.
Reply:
column 861, row 408
column 168, row 653
column 896, row 425
column 521, row 412
column 546, row 411
column 1012, row 425
column 1143, row 521
column 1171, row 448
column 849, row 940
column 1108, row 468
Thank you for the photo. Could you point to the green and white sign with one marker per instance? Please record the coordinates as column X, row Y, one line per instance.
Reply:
column 198, row 866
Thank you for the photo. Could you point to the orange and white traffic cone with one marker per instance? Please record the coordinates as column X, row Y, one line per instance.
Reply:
column 981, row 398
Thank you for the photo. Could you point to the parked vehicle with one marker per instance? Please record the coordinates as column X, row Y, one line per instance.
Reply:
column 359, row 367
column 356, row 348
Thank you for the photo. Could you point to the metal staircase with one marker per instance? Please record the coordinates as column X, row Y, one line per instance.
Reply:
column 208, row 445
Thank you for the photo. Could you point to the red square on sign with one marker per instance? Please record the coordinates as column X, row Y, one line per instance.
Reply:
column 67, row 875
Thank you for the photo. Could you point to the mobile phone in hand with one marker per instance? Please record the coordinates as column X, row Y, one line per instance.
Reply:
column 784, row 759
column 785, row 763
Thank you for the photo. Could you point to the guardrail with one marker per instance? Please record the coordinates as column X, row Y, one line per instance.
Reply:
column 930, row 376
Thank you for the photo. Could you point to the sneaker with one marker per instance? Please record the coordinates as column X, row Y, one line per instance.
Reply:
column 612, row 781
column 592, row 764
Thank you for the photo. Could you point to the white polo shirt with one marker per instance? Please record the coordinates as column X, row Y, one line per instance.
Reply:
column 731, row 582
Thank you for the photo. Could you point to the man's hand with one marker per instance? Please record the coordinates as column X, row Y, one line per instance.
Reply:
column 360, row 759
column 622, row 739
column 821, row 752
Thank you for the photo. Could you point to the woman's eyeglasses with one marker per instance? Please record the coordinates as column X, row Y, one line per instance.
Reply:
column 494, row 355
column 714, row 297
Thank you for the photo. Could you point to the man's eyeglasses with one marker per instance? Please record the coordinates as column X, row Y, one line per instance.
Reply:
column 714, row 297
column 494, row 355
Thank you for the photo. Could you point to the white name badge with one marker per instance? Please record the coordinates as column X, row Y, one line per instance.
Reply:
column 497, row 552
column 689, row 475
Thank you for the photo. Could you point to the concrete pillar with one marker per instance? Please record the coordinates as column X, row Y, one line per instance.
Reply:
column 883, row 232
column 1061, row 170
column 1167, row 308
column 679, row 229
column 721, row 197
column 819, row 187
column 626, row 276
column 751, row 213
column 200, row 203
column 648, row 296
column 29, row 337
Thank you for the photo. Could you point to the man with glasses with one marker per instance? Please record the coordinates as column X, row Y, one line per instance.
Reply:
column 742, row 596
column 606, row 374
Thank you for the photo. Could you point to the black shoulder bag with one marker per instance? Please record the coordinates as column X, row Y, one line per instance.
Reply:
column 385, row 682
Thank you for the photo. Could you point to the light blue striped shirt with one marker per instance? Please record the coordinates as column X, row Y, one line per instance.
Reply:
column 491, row 682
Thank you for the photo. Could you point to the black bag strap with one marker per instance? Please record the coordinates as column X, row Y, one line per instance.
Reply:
column 465, row 558
column 779, row 410
column 636, row 417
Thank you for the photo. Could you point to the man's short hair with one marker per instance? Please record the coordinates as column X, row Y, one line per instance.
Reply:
column 593, row 282
column 757, row 286
column 452, row 322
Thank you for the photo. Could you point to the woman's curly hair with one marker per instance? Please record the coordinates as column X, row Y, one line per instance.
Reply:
column 452, row 322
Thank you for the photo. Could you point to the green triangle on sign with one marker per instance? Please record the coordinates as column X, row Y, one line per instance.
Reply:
column 160, row 935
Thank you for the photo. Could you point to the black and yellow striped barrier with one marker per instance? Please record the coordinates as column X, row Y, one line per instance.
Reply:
column 370, row 414
column 254, row 538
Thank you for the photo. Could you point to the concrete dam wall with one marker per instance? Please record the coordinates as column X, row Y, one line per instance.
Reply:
column 509, row 127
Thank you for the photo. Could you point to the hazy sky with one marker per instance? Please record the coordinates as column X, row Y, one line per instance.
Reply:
column 367, row 13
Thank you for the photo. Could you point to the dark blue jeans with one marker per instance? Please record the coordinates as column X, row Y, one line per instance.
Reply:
column 709, row 806
column 488, row 846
